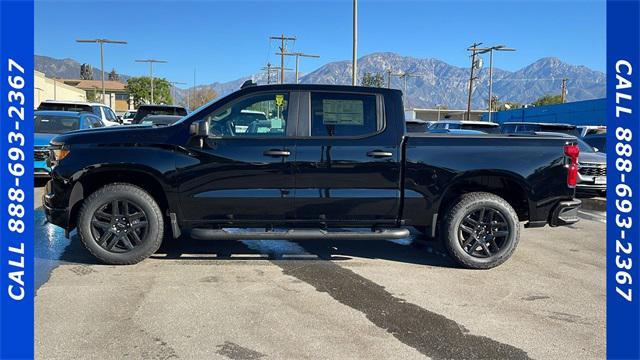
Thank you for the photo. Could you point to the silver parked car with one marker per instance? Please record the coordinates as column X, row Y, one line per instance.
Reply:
column 592, row 167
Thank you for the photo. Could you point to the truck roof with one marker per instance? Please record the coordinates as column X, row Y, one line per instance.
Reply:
column 557, row 125
column 468, row 122
column 325, row 87
column 73, row 102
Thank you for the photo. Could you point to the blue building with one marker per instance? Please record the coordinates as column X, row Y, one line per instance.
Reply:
column 587, row 112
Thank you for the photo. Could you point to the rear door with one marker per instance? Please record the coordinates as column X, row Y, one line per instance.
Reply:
column 348, row 160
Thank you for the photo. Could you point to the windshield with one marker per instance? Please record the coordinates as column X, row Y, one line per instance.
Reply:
column 64, row 107
column 145, row 111
column 479, row 127
column 584, row 147
column 56, row 124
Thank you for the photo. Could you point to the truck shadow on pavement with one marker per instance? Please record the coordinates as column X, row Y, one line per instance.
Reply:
column 413, row 250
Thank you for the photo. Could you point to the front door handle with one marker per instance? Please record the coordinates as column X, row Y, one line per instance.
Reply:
column 277, row 153
column 379, row 154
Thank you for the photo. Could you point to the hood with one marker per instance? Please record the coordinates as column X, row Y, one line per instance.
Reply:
column 129, row 134
column 596, row 158
column 43, row 139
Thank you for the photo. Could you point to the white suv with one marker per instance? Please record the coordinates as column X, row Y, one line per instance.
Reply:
column 102, row 111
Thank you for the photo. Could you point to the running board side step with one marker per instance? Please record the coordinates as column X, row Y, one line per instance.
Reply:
column 299, row 234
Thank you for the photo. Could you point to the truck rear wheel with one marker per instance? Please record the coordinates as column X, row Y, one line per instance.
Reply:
column 481, row 230
column 120, row 224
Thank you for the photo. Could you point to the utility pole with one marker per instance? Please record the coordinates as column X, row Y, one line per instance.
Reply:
column 354, row 60
column 151, row 62
column 102, row 42
column 388, row 78
column 474, row 53
column 270, row 68
column 404, row 75
column 298, row 55
column 490, row 50
column 283, row 49
column 173, row 92
column 564, row 89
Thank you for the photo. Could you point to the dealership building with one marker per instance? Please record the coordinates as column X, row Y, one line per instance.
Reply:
column 587, row 112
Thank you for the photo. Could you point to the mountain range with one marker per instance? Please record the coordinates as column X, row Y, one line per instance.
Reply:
column 429, row 82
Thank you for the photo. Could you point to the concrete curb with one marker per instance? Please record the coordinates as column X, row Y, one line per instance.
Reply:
column 595, row 204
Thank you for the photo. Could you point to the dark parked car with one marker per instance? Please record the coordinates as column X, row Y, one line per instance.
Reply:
column 416, row 126
column 598, row 141
column 146, row 110
column 160, row 120
column 484, row 126
column 327, row 159
column 524, row 127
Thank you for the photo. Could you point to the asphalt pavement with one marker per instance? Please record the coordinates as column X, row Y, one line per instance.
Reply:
column 317, row 299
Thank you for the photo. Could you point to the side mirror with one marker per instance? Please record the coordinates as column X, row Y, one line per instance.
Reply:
column 596, row 149
column 199, row 128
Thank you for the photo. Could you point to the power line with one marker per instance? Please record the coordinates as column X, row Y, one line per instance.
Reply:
column 564, row 89
column 298, row 55
column 283, row 49
column 269, row 68
column 474, row 63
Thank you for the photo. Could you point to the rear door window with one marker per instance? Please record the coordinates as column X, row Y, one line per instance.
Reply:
column 343, row 114
column 109, row 115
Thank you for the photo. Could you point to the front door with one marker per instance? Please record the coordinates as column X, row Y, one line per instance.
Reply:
column 243, row 170
column 347, row 161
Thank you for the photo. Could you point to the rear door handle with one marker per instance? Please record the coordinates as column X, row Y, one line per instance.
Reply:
column 379, row 154
column 277, row 153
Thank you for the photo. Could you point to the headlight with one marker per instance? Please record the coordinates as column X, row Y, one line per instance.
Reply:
column 59, row 154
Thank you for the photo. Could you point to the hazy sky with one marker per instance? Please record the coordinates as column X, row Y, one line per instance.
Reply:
column 225, row 40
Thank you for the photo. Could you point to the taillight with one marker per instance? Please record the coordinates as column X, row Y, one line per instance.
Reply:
column 572, row 152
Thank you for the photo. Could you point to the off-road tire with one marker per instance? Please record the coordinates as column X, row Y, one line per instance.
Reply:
column 464, row 206
column 122, row 191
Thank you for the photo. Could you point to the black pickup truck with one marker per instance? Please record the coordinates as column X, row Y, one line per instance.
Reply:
column 323, row 162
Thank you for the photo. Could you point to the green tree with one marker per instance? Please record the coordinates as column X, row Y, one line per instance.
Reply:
column 92, row 95
column 113, row 75
column 86, row 72
column 200, row 96
column 507, row 105
column 548, row 100
column 140, row 89
column 372, row 80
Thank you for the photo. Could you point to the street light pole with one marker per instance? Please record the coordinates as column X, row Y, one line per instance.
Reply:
column 173, row 88
column 490, row 50
column 354, row 60
column 102, row 42
column 151, row 61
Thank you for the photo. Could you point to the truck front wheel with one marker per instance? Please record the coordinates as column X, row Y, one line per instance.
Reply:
column 120, row 224
column 481, row 230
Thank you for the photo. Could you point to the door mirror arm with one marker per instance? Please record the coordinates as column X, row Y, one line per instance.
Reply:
column 200, row 130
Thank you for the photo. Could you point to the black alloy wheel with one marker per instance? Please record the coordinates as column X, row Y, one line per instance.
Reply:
column 119, row 226
column 480, row 230
column 483, row 232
